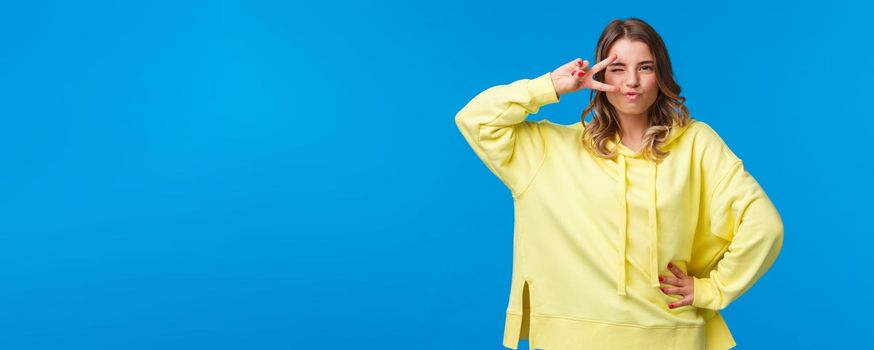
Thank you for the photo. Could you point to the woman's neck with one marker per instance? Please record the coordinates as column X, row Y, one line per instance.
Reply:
column 632, row 128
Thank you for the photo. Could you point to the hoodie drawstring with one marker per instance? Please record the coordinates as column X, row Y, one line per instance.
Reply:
column 623, row 226
column 654, row 231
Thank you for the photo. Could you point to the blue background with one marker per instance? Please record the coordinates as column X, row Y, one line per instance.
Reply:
column 268, row 175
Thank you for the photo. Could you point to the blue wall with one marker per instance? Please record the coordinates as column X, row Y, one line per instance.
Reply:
column 261, row 175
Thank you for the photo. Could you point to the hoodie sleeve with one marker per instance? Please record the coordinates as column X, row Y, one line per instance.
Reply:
column 741, row 213
column 494, row 125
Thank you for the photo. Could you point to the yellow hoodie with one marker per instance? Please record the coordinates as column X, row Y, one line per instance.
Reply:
column 592, row 235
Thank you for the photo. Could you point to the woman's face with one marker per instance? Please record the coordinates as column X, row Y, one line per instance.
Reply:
column 632, row 71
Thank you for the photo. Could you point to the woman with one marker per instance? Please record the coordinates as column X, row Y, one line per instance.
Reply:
column 633, row 230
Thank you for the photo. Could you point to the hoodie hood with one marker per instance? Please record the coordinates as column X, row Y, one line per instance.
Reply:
column 624, row 152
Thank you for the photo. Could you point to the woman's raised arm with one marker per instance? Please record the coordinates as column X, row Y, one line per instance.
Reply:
column 494, row 124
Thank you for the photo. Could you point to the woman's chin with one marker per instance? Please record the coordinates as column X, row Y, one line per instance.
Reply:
column 627, row 109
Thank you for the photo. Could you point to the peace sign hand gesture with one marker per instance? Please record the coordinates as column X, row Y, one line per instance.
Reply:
column 573, row 76
column 686, row 286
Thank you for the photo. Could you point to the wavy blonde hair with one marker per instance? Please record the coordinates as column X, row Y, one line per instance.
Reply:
column 667, row 112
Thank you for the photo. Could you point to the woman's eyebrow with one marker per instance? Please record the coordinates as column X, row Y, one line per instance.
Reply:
column 623, row 64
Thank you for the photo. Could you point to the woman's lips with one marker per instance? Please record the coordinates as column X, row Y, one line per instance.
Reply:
column 632, row 96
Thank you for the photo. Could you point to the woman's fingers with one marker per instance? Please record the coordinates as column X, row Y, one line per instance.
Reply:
column 583, row 69
column 601, row 65
column 684, row 283
column 676, row 270
column 580, row 68
column 673, row 290
column 572, row 65
column 594, row 84
column 682, row 302
column 597, row 85
column 687, row 296
column 671, row 280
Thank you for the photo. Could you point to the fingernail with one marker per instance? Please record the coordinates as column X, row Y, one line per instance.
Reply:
column 671, row 306
column 580, row 74
column 669, row 265
column 661, row 279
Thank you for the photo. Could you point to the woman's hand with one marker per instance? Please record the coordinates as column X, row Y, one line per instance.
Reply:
column 574, row 76
column 685, row 286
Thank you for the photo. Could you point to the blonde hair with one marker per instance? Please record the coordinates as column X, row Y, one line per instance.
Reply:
column 667, row 112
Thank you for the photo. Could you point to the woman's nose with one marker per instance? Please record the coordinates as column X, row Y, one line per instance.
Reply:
column 632, row 81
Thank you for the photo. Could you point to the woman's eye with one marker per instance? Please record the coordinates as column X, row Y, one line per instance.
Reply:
column 647, row 67
column 616, row 70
